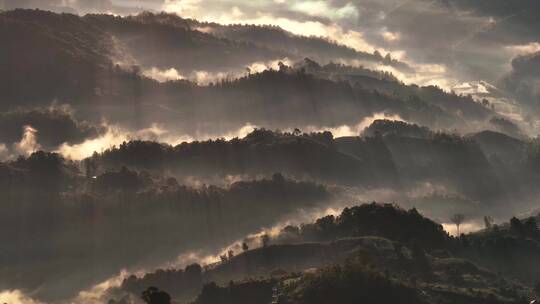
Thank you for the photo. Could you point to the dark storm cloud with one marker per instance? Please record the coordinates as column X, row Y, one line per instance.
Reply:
column 467, row 36
column 524, row 80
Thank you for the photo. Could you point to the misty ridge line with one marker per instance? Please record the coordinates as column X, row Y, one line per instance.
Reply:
column 163, row 107
column 110, row 136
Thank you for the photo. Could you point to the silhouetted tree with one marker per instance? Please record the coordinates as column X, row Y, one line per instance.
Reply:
column 457, row 219
column 245, row 246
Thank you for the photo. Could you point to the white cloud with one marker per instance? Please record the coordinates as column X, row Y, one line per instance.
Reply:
column 98, row 294
column 467, row 227
column 323, row 9
column 205, row 77
column 16, row 297
column 523, row 49
column 187, row 8
column 163, row 75
column 390, row 36
column 28, row 143
column 355, row 130
column 116, row 135
column 200, row 10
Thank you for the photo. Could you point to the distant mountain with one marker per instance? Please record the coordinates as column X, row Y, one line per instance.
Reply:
column 262, row 152
column 274, row 37
column 271, row 38
column 156, row 43
column 46, row 56
column 96, row 64
column 507, row 149
column 385, row 83
column 397, row 158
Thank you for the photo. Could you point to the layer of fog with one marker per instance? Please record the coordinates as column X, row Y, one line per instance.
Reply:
column 101, row 293
column 206, row 77
column 114, row 135
column 355, row 130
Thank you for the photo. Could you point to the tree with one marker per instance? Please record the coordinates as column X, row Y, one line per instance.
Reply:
column 245, row 246
column 530, row 226
column 488, row 222
column 457, row 219
column 90, row 166
column 193, row 271
column 265, row 239
column 230, row 254
column 516, row 226
column 153, row 295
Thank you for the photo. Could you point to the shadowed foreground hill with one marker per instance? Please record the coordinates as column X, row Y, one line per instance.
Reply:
column 417, row 268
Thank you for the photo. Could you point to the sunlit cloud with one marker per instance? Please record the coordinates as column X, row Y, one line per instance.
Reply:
column 466, row 227
column 98, row 294
column 521, row 50
column 389, row 36
column 16, row 297
column 115, row 135
column 189, row 8
column 323, row 9
column 28, row 143
column 355, row 130
column 236, row 14
column 163, row 75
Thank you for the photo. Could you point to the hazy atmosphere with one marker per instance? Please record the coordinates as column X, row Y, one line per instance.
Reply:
column 269, row 151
